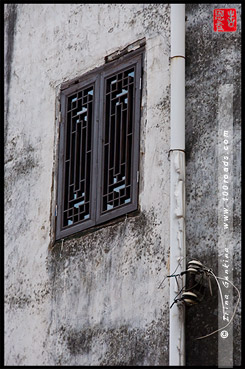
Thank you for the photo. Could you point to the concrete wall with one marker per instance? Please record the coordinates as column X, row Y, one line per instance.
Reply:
column 93, row 299
column 212, row 61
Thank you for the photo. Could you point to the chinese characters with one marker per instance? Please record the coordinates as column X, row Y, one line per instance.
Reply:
column 225, row 20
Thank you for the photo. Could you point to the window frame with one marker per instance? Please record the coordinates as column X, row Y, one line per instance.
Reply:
column 97, row 78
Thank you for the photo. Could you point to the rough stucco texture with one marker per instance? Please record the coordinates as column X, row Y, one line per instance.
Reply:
column 212, row 59
column 93, row 299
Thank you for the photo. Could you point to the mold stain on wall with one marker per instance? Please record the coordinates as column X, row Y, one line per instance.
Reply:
column 105, row 274
column 10, row 22
column 93, row 299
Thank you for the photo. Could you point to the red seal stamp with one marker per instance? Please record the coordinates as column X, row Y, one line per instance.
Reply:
column 225, row 20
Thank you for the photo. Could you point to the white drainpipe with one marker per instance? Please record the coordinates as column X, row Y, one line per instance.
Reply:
column 177, row 181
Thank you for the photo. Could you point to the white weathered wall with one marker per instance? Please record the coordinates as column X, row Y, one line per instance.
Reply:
column 96, row 299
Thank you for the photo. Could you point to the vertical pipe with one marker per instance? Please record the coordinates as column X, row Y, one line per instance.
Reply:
column 177, row 182
column 178, row 76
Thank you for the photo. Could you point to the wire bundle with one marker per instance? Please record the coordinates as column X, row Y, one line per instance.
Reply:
column 192, row 293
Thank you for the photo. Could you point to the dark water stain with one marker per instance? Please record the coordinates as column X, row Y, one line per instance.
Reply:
column 123, row 345
column 11, row 10
column 211, row 61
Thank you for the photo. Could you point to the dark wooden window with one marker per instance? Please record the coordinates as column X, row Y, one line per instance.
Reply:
column 99, row 145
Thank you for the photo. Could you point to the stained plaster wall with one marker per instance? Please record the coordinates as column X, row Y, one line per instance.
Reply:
column 93, row 300
column 213, row 59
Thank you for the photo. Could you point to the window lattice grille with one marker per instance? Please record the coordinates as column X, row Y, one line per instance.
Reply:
column 118, row 140
column 78, row 153
column 99, row 145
